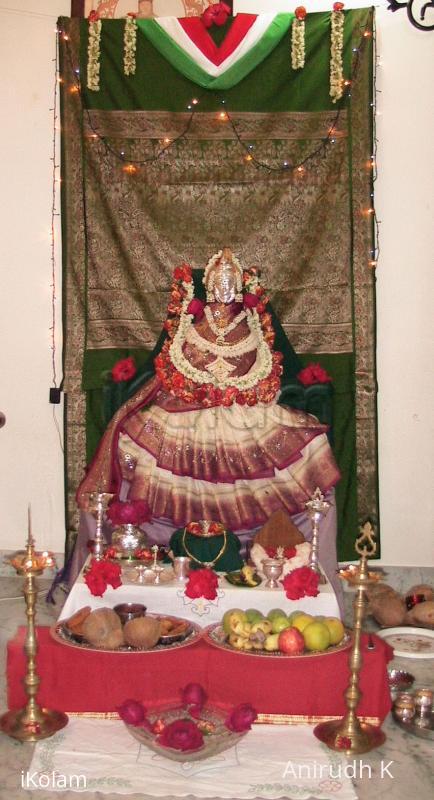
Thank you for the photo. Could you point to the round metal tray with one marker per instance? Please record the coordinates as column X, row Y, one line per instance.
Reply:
column 215, row 635
column 60, row 633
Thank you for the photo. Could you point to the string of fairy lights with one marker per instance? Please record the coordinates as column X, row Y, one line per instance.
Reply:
column 132, row 165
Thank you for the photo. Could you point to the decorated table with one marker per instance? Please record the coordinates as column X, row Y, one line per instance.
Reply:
column 282, row 689
column 170, row 598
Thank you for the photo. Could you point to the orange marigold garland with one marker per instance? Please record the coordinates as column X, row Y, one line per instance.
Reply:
column 298, row 52
column 336, row 48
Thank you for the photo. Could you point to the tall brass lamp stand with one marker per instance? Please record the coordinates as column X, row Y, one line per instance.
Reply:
column 31, row 723
column 349, row 735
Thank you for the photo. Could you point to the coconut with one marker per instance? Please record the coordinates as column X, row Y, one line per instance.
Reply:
column 388, row 609
column 421, row 614
column 99, row 625
column 142, row 632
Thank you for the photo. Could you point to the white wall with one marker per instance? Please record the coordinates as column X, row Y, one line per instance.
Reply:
column 30, row 453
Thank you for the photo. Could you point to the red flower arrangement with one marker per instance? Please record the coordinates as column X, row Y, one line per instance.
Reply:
column 313, row 373
column 202, row 583
column 197, row 528
column 301, row 582
column 100, row 575
column 207, row 395
column 216, row 14
column 288, row 552
column 124, row 370
column 185, row 733
column 132, row 512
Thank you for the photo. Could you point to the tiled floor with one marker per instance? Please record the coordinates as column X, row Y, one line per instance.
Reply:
column 412, row 758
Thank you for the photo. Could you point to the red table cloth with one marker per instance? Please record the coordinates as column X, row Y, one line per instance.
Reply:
column 281, row 689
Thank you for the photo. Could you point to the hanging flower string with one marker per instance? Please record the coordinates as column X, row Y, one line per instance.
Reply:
column 130, row 39
column 94, row 51
column 336, row 50
column 298, row 52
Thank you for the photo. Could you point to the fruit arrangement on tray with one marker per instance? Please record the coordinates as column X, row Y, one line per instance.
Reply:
column 277, row 633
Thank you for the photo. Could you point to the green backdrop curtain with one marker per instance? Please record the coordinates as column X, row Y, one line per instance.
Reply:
column 311, row 236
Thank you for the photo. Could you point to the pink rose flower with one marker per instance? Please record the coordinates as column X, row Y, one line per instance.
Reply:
column 250, row 300
column 241, row 718
column 196, row 307
column 182, row 734
column 193, row 695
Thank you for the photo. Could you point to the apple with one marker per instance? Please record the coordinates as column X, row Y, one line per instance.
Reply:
column 234, row 614
column 291, row 642
column 336, row 629
column 279, row 624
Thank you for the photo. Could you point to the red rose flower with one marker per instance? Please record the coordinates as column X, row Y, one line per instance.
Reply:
column 96, row 584
column 93, row 16
column 338, row 6
column 313, row 373
column 250, row 300
column 300, row 12
column 241, row 718
column 182, row 734
column 301, row 582
column 124, row 370
column 132, row 512
column 132, row 712
column 216, row 14
column 196, row 307
column 193, row 695
column 202, row 583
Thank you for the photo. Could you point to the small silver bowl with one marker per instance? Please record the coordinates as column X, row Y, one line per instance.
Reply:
column 127, row 611
column 400, row 680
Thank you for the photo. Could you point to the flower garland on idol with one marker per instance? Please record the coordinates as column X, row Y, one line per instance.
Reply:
column 200, row 387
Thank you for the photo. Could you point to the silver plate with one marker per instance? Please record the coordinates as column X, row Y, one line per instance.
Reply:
column 60, row 633
column 216, row 636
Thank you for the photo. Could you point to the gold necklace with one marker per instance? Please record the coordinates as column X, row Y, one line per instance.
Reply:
column 209, row 564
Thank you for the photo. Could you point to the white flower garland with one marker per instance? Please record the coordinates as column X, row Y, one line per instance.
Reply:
column 261, row 368
column 223, row 350
column 223, row 332
column 130, row 39
column 298, row 52
column 93, row 54
column 336, row 63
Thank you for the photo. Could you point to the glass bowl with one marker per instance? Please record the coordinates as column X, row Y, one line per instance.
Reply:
column 215, row 741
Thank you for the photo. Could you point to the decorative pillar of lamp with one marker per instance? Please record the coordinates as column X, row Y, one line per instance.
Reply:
column 316, row 508
column 349, row 735
column 31, row 723
column 98, row 502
